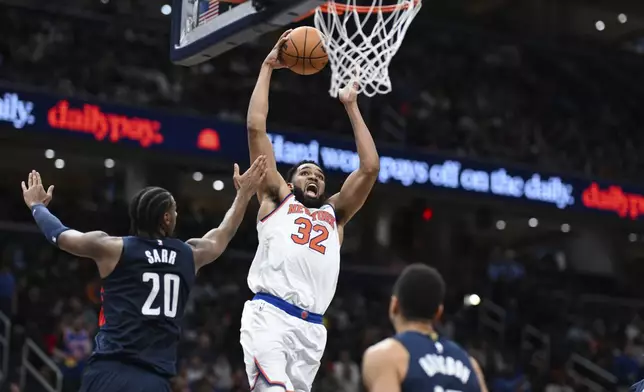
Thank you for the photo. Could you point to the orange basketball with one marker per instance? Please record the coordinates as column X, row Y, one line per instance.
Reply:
column 304, row 52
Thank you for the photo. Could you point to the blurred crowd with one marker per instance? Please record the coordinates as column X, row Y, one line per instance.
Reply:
column 458, row 92
column 53, row 298
column 455, row 92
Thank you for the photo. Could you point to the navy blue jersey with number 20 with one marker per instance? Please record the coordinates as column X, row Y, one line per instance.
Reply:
column 143, row 304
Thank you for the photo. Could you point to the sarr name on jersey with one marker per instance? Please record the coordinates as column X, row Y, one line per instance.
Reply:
column 165, row 256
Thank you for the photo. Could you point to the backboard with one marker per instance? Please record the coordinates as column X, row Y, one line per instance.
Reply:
column 203, row 29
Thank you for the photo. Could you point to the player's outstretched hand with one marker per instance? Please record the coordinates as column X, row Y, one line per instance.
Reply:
column 34, row 192
column 248, row 183
column 349, row 93
column 274, row 59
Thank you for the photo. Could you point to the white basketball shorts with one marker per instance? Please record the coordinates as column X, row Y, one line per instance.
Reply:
column 282, row 349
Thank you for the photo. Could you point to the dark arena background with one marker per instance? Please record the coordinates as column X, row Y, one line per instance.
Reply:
column 511, row 160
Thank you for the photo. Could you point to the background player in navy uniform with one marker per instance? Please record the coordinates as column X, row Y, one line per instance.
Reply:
column 417, row 359
column 146, row 280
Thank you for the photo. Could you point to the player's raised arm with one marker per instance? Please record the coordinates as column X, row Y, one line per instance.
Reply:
column 258, row 142
column 97, row 245
column 381, row 366
column 208, row 248
column 357, row 186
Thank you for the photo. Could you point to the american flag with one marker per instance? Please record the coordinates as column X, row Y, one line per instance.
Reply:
column 208, row 9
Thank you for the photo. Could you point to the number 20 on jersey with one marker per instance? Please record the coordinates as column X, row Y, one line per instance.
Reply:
column 169, row 291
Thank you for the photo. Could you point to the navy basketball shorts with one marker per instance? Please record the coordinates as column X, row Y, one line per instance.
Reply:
column 111, row 376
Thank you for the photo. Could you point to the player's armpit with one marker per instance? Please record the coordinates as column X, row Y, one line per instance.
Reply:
column 381, row 367
column 479, row 374
column 205, row 251
column 258, row 141
column 96, row 245
column 211, row 246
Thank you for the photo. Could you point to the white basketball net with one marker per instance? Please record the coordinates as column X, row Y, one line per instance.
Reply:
column 364, row 41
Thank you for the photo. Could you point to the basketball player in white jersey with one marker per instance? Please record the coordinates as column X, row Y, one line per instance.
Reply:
column 295, row 271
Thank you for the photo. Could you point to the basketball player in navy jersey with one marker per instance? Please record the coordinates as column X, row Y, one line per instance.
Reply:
column 417, row 359
column 146, row 280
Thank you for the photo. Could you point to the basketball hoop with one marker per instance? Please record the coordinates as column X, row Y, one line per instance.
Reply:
column 365, row 38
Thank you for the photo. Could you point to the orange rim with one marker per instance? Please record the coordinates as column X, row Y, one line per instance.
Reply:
column 362, row 9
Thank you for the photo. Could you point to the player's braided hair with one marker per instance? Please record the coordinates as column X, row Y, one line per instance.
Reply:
column 146, row 210
column 291, row 172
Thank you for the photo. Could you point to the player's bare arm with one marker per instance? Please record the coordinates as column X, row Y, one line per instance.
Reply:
column 274, row 187
column 358, row 185
column 96, row 245
column 208, row 248
column 479, row 374
column 384, row 366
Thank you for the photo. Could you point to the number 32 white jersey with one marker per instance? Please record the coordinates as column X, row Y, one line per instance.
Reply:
column 298, row 257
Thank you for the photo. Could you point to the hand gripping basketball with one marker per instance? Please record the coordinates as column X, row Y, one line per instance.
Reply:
column 304, row 52
column 274, row 59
